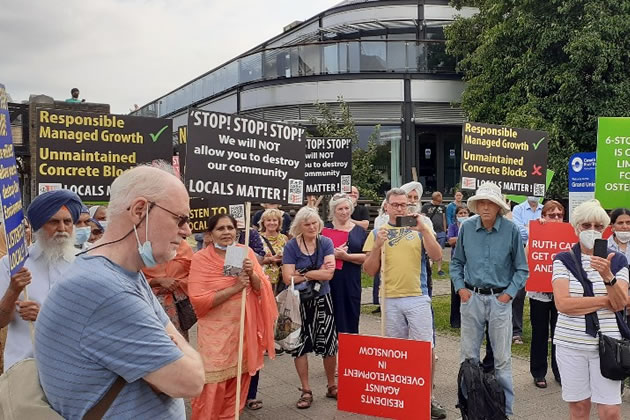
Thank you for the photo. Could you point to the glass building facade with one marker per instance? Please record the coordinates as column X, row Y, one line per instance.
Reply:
column 387, row 59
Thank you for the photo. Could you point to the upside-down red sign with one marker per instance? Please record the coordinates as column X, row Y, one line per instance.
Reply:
column 545, row 241
column 385, row 377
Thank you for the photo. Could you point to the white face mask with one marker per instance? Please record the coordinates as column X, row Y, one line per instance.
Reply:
column 587, row 238
column 623, row 237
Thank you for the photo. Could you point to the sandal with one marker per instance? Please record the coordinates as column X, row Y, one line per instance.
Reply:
column 540, row 382
column 306, row 399
column 254, row 404
column 332, row 392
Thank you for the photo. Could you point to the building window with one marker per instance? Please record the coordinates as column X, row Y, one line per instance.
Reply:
column 373, row 56
column 331, row 59
column 388, row 149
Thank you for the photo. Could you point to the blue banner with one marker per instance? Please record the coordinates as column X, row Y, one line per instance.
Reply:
column 10, row 195
column 582, row 172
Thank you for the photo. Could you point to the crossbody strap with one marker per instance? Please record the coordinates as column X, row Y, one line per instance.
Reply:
column 98, row 411
column 582, row 280
column 268, row 242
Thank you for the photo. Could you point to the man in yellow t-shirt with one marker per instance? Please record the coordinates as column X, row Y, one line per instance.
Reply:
column 403, row 278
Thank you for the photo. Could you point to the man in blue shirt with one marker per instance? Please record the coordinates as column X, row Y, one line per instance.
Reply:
column 452, row 207
column 102, row 321
column 487, row 271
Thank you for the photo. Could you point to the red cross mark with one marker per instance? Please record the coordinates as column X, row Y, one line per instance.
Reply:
column 536, row 170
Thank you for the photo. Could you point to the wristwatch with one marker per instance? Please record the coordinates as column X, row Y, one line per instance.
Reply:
column 612, row 282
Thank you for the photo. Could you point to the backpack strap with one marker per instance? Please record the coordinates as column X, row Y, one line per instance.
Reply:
column 100, row 408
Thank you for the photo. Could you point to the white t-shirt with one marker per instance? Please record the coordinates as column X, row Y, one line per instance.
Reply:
column 19, row 345
column 571, row 330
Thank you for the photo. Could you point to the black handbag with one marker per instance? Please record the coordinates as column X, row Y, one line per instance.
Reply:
column 614, row 354
column 311, row 291
column 185, row 313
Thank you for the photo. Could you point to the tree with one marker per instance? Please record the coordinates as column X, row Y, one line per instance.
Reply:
column 552, row 65
column 340, row 124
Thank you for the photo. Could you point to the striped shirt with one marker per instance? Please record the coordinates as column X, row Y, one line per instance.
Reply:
column 571, row 329
column 100, row 322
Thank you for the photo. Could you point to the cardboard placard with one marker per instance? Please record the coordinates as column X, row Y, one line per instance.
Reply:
column 84, row 152
column 233, row 159
column 545, row 241
column 328, row 165
column 612, row 177
column 11, row 211
column 385, row 377
column 201, row 210
column 513, row 158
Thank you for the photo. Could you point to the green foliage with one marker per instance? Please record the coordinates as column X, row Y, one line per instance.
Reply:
column 552, row 65
column 340, row 124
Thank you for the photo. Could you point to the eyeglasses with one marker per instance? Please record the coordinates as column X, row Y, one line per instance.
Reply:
column 588, row 226
column 339, row 196
column 555, row 215
column 97, row 232
column 181, row 219
column 398, row 205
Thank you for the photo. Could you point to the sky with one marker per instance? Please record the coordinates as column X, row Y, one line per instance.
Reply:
column 126, row 52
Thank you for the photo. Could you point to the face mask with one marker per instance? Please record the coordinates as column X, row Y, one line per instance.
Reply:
column 462, row 219
column 103, row 224
column 587, row 238
column 82, row 234
column 623, row 237
column 221, row 247
column 533, row 199
column 145, row 250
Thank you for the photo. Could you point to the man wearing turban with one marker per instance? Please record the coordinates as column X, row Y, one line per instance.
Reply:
column 52, row 216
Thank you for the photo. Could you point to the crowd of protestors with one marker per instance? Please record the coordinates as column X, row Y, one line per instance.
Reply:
column 126, row 329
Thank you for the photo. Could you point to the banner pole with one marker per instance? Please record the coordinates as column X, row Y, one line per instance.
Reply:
column 382, row 287
column 31, row 327
column 241, row 330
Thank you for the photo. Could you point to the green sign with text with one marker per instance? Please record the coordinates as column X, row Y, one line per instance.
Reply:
column 612, row 178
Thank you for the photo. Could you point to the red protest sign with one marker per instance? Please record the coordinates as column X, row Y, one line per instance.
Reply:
column 545, row 241
column 385, row 377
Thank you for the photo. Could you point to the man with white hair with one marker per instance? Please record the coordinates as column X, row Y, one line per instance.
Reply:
column 102, row 328
column 52, row 216
column 487, row 270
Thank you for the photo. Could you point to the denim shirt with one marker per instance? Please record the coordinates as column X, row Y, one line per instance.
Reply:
column 494, row 258
column 522, row 214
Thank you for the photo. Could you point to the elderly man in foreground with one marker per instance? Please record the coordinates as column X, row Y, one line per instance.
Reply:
column 102, row 322
column 52, row 216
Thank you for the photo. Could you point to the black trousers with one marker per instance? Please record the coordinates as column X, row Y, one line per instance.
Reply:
column 456, row 316
column 543, row 317
column 517, row 313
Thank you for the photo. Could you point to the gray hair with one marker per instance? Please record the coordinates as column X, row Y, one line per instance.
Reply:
column 395, row 191
column 590, row 211
column 304, row 214
column 335, row 201
column 146, row 180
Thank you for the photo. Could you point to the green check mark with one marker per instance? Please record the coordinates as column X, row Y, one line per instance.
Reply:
column 157, row 135
column 536, row 145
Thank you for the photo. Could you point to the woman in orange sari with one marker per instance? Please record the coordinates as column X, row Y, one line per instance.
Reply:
column 169, row 281
column 217, row 302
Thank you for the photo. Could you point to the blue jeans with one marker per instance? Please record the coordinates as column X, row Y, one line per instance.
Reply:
column 474, row 313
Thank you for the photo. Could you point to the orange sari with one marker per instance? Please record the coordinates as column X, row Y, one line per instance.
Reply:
column 177, row 268
column 218, row 332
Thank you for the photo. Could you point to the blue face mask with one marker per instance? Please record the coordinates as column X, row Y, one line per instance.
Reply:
column 103, row 224
column 146, row 250
column 462, row 219
column 221, row 247
column 82, row 235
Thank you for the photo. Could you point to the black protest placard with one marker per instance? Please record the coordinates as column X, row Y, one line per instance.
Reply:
column 328, row 165
column 85, row 152
column 513, row 158
column 238, row 159
column 182, row 136
column 201, row 210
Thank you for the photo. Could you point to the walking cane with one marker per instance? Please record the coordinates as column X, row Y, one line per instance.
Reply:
column 241, row 329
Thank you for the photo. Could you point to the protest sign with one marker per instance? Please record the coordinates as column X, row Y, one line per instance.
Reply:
column 513, row 158
column 612, row 179
column 201, row 210
column 239, row 159
column 545, row 241
column 385, row 377
column 328, row 166
column 581, row 179
column 12, row 214
column 182, row 136
column 85, row 152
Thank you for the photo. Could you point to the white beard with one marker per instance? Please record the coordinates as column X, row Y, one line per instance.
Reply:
column 58, row 247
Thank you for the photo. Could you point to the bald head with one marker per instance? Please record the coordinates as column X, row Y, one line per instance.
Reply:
column 149, row 181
